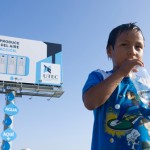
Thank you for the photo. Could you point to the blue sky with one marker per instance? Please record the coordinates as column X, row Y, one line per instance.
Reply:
column 82, row 27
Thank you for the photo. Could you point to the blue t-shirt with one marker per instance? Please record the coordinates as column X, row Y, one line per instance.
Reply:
column 121, row 123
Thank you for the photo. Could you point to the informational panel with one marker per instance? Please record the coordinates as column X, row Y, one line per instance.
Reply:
column 30, row 61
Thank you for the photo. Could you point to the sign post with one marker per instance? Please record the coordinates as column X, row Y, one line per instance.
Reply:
column 10, row 110
column 24, row 73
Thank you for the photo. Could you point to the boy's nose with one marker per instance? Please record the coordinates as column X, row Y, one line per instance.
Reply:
column 132, row 51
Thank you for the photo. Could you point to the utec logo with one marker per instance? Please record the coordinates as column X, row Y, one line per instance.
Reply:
column 48, row 72
column 47, row 69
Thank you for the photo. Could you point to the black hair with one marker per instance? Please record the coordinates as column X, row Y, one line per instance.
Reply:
column 118, row 30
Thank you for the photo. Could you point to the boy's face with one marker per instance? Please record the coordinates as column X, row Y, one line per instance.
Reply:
column 128, row 45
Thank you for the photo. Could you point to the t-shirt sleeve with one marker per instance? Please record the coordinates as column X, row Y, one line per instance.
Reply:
column 94, row 78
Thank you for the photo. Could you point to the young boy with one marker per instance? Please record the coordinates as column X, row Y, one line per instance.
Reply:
column 120, row 122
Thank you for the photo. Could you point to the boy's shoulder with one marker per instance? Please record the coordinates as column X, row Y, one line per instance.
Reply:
column 95, row 77
column 102, row 73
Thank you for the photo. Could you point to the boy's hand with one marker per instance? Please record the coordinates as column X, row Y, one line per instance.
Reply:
column 129, row 65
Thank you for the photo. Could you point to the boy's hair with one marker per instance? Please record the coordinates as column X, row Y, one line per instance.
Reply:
column 118, row 30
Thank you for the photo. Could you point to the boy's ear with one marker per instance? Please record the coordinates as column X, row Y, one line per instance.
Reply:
column 109, row 51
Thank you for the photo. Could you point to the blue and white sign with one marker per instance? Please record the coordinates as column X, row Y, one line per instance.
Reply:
column 10, row 96
column 8, row 135
column 7, row 121
column 6, row 146
column 19, row 62
column 11, row 109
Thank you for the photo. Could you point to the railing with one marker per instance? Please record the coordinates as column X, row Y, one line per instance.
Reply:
column 31, row 89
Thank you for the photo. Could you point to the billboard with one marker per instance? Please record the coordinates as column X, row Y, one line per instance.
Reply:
column 30, row 61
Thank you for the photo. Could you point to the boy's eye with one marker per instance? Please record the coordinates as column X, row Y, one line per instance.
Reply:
column 138, row 47
column 124, row 44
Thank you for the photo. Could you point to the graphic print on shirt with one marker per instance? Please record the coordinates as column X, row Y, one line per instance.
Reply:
column 124, row 119
column 132, row 137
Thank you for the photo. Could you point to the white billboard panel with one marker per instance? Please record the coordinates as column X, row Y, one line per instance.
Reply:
column 30, row 61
